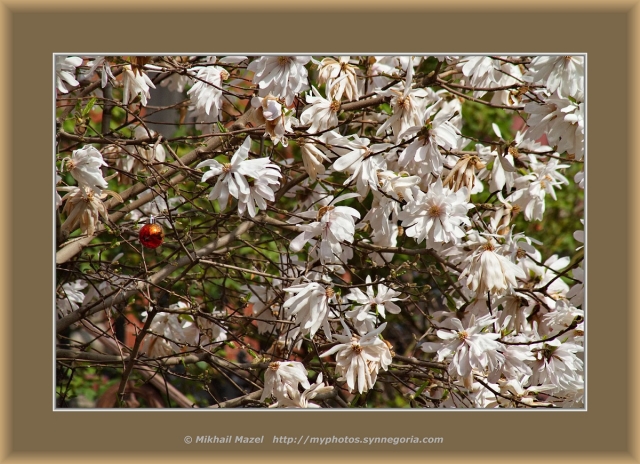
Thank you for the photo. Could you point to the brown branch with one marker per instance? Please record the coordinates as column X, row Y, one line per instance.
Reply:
column 132, row 361
column 361, row 104
column 238, row 401
column 445, row 85
column 419, row 362
column 150, row 375
column 573, row 325
column 73, row 248
column 80, row 356
column 120, row 296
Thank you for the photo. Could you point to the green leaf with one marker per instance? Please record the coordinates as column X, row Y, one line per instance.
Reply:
column 88, row 107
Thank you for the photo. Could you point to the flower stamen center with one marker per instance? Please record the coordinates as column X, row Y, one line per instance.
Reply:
column 322, row 211
column 488, row 247
column 435, row 211
column 274, row 366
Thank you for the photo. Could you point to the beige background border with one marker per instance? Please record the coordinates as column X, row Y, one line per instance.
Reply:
column 33, row 30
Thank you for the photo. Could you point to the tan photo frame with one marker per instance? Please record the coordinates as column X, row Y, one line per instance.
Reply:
column 32, row 31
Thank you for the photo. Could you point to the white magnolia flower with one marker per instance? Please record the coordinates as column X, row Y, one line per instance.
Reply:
column 166, row 336
column 203, row 122
column 383, row 301
column 513, row 388
column 65, row 72
column 397, row 185
column 479, row 396
column 469, row 348
column 262, row 188
column 562, row 315
column 151, row 153
column 389, row 240
column 572, row 399
column 490, row 271
column 576, row 292
column 579, row 235
column 437, row 216
column 500, row 219
column 504, row 172
column 439, row 132
column 201, row 331
column 557, row 364
column 310, row 307
column 389, row 65
column 313, row 159
column 280, row 375
column 545, row 275
column 232, row 180
column 277, row 119
column 72, row 297
column 383, row 215
column 532, row 188
column 482, row 71
column 561, row 120
column 511, row 76
column 519, row 244
column 367, row 324
column 517, row 360
column 334, row 225
column 83, row 209
column 322, row 113
column 134, row 83
column 278, row 128
column 515, row 311
column 340, row 77
column 122, row 159
column 363, row 162
column 206, row 93
column 562, row 73
column 408, row 108
column 295, row 399
column 463, row 174
column 94, row 65
column 282, row 76
column 271, row 106
column 84, row 165
column 359, row 358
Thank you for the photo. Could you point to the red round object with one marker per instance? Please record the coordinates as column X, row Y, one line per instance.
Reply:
column 151, row 235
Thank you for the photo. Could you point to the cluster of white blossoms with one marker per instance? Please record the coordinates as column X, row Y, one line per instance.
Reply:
column 232, row 180
column 334, row 225
column 83, row 203
column 359, row 358
column 282, row 381
column 168, row 334
column 404, row 228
